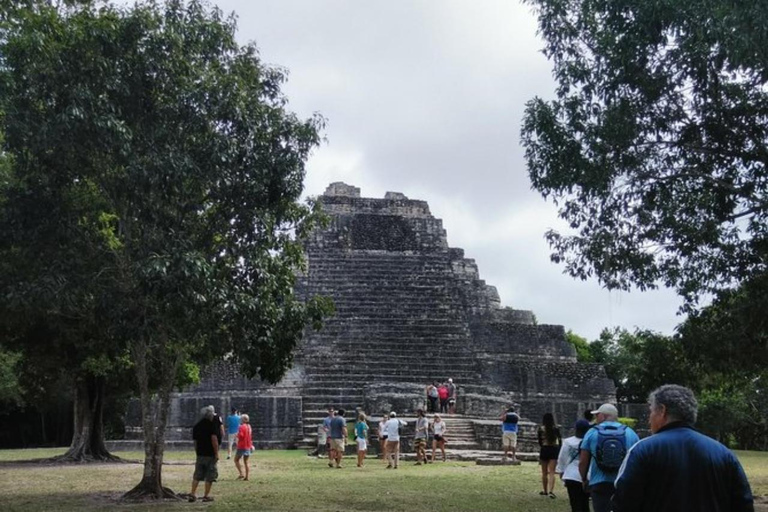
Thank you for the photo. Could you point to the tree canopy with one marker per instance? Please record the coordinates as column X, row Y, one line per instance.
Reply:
column 156, row 163
column 656, row 144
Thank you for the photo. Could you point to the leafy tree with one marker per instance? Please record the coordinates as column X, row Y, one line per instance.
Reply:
column 655, row 145
column 730, row 336
column 640, row 361
column 177, row 143
column 10, row 391
column 727, row 344
column 581, row 345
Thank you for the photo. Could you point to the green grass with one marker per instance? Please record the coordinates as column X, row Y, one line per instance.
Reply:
column 289, row 480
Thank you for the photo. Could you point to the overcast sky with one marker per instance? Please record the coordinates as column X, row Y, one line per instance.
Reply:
column 426, row 98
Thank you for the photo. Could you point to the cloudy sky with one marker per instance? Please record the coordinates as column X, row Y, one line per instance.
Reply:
column 425, row 97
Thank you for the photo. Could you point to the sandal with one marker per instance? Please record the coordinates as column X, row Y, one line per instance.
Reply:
column 552, row 495
column 206, row 499
column 542, row 493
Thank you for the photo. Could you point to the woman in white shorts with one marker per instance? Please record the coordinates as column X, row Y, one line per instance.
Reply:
column 361, row 436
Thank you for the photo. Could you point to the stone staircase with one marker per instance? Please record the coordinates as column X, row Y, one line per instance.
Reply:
column 397, row 321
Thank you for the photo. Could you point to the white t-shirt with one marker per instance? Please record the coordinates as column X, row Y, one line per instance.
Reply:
column 438, row 427
column 392, row 428
column 568, row 460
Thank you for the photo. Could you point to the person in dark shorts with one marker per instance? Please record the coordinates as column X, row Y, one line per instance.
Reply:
column 205, row 435
column 550, row 442
column 442, row 393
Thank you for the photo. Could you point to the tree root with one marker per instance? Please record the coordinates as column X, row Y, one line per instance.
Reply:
column 85, row 458
column 142, row 493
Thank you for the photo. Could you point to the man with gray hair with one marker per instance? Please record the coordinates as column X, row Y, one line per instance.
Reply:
column 205, row 434
column 678, row 468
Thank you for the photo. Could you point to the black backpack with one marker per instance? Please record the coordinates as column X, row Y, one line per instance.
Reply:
column 611, row 447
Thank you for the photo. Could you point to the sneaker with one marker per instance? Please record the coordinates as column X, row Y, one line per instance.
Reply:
column 192, row 498
column 389, row 467
column 552, row 495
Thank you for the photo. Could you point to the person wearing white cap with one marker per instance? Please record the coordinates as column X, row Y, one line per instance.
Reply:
column 602, row 452
column 392, row 428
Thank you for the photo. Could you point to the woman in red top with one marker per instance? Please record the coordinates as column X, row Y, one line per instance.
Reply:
column 244, row 446
column 442, row 393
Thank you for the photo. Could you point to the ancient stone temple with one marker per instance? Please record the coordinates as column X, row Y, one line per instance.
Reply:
column 410, row 310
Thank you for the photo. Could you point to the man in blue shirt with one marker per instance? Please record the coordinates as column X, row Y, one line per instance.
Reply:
column 509, row 423
column 233, row 423
column 677, row 468
column 338, row 436
column 602, row 451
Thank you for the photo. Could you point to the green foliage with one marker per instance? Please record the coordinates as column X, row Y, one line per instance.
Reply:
column 10, row 390
column 630, row 422
column 654, row 147
column 731, row 335
column 149, row 136
column 640, row 361
column 583, row 353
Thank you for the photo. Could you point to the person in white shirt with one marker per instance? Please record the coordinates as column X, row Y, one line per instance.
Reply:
column 568, row 468
column 392, row 429
column 383, row 437
column 439, row 430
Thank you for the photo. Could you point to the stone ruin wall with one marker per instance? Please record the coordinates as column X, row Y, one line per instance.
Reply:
column 501, row 354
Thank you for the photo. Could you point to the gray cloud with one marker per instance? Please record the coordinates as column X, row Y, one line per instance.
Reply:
column 426, row 98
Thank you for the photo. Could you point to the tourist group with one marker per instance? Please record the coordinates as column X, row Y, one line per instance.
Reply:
column 604, row 463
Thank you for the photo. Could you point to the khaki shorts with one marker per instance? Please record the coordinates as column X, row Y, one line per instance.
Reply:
column 205, row 469
column 509, row 440
column 337, row 444
column 419, row 443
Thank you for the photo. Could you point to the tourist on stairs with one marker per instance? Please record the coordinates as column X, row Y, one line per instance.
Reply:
column 439, row 430
column 442, row 393
column 451, row 396
column 550, row 442
column 432, row 397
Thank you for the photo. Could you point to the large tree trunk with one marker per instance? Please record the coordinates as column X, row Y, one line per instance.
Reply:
column 88, row 439
column 154, row 420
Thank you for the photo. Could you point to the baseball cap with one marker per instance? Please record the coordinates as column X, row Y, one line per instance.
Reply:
column 608, row 409
column 393, row 414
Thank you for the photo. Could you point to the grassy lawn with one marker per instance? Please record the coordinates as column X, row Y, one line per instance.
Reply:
column 289, row 480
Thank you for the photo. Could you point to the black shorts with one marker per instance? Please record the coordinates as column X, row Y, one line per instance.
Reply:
column 549, row 453
column 384, row 438
column 439, row 438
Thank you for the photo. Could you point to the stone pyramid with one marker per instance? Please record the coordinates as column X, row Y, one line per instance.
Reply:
column 410, row 310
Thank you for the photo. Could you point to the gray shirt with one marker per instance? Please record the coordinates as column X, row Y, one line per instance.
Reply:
column 337, row 427
column 421, row 428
